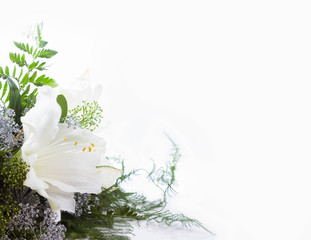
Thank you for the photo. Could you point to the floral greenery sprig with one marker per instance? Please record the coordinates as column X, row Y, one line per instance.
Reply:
column 18, row 89
column 89, row 114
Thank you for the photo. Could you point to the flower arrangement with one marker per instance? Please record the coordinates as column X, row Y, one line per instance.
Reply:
column 56, row 180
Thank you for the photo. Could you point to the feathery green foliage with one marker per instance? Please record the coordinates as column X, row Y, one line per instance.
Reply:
column 111, row 212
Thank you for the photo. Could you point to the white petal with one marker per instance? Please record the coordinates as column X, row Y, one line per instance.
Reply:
column 58, row 215
column 40, row 123
column 30, row 159
column 109, row 175
column 83, row 137
column 60, row 200
column 36, row 183
column 105, row 162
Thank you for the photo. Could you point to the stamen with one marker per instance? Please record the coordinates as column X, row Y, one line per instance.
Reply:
column 90, row 149
column 65, row 139
column 92, row 144
column 84, row 149
column 76, row 143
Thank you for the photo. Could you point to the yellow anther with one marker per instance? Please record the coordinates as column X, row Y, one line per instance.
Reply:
column 76, row 143
column 90, row 149
column 92, row 144
column 65, row 139
column 84, row 149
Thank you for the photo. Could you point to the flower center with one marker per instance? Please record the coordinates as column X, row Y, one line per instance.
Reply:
column 90, row 148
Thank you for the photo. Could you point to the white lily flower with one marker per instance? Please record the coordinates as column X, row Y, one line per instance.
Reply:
column 62, row 160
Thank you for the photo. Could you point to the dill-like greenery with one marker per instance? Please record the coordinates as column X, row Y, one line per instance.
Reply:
column 112, row 212
column 89, row 114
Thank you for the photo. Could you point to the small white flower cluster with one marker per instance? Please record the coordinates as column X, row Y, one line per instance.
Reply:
column 82, row 203
column 33, row 217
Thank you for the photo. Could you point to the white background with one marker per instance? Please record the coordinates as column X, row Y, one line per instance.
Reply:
column 228, row 80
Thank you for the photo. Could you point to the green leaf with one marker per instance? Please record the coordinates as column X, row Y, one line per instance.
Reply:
column 33, row 95
column 1, row 71
column 23, row 58
column 5, row 87
column 35, row 52
column 7, row 98
column 32, row 78
column 46, row 53
column 39, row 31
column 43, row 44
column 7, row 70
column 14, row 72
column 30, row 100
column 39, row 79
column 21, row 46
column 45, row 81
column 16, row 58
column 24, row 94
column 33, row 65
column 15, row 99
column 13, row 57
column 40, row 67
column 61, row 100
column 25, row 79
column 20, row 75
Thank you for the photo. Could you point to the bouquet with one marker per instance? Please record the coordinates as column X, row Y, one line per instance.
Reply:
column 56, row 180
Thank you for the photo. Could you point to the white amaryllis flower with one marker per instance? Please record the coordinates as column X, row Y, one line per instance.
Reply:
column 62, row 160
